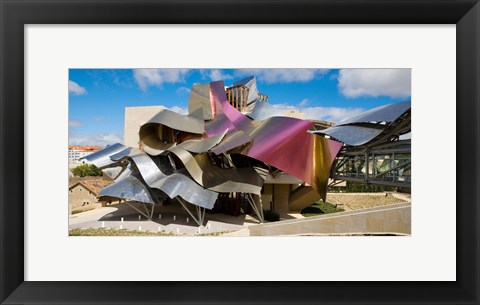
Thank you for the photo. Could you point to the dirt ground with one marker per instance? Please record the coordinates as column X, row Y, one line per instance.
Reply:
column 75, row 179
column 357, row 201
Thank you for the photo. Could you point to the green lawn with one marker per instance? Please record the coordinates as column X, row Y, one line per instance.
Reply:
column 82, row 210
column 320, row 208
column 115, row 232
column 124, row 232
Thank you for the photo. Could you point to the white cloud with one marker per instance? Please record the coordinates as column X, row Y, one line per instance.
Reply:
column 282, row 75
column 330, row 114
column 99, row 139
column 271, row 110
column 183, row 90
column 75, row 88
column 73, row 123
column 156, row 77
column 179, row 110
column 375, row 82
column 303, row 103
column 214, row 75
column 219, row 75
column 284, row 105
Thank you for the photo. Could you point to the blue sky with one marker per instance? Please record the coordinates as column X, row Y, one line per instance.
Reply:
column 97, row 97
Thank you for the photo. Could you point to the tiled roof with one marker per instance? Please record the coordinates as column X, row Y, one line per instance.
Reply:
column 94, row 185
column 84, row 148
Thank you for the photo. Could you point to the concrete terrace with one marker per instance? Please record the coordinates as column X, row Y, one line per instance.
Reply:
column 111, row 217
column 394, row 219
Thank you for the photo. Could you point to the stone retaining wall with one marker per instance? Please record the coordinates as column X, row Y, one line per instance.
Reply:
column 386, row 219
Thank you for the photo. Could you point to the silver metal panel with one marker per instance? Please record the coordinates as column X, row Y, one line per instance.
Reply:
column 101, row 158
column 179, row 184
column 282, row 178
column 157, row 173
column 218, row 125
column 200, row 98
column 151, row 132
column 127, row 171
column 158, row 149
column 192, row 123
column 122, row 154
column 113, row 172
column 262, row 172
column 151, row 141
column 251, row 83
column 202, row 145
column 129, row 188
column 262, row 110
column 229, row 180
column 386, row 113
column 225, row 180
column 231, row 141
column 150, row 170
column 351, row 135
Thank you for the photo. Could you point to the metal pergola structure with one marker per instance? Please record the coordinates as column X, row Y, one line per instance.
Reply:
column 385, row 161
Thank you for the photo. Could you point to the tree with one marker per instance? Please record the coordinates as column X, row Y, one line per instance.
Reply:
column 86, row 170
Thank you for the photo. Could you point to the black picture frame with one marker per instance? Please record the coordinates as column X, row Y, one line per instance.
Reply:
column 16, row 13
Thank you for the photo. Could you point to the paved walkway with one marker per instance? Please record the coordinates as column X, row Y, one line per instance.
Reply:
column 171, row 218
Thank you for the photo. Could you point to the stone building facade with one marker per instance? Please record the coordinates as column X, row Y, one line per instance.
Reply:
column 83, row 195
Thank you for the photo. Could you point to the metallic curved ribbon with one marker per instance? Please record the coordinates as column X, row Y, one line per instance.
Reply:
column 158, row 173
column 151, row 142
column 351, row 135
column 224, row 180
column 101, row 158
column 192, row 123
column 200, row 98
column 251, row 83
column 386, row 113
column 128, row 188
column 180, row 184
column 202, row 145
column 231, row 141
column 365, row 127
column 279, row 141
column 151, row 132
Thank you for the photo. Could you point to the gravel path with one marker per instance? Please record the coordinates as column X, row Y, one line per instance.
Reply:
column 357, row 201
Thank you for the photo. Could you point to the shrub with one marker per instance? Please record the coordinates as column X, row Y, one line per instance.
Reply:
column 82, row 210
column 320, row 208
column 270, row 215
column 86, row 170
column 360, row 187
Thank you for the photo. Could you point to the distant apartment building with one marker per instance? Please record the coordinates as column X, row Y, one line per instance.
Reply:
column 77, row 152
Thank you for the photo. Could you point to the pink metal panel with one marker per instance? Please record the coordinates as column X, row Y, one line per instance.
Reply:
column 282, row 142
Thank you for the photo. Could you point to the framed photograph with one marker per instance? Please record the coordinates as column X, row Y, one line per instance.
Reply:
column 224, row 82
column 225, row 155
